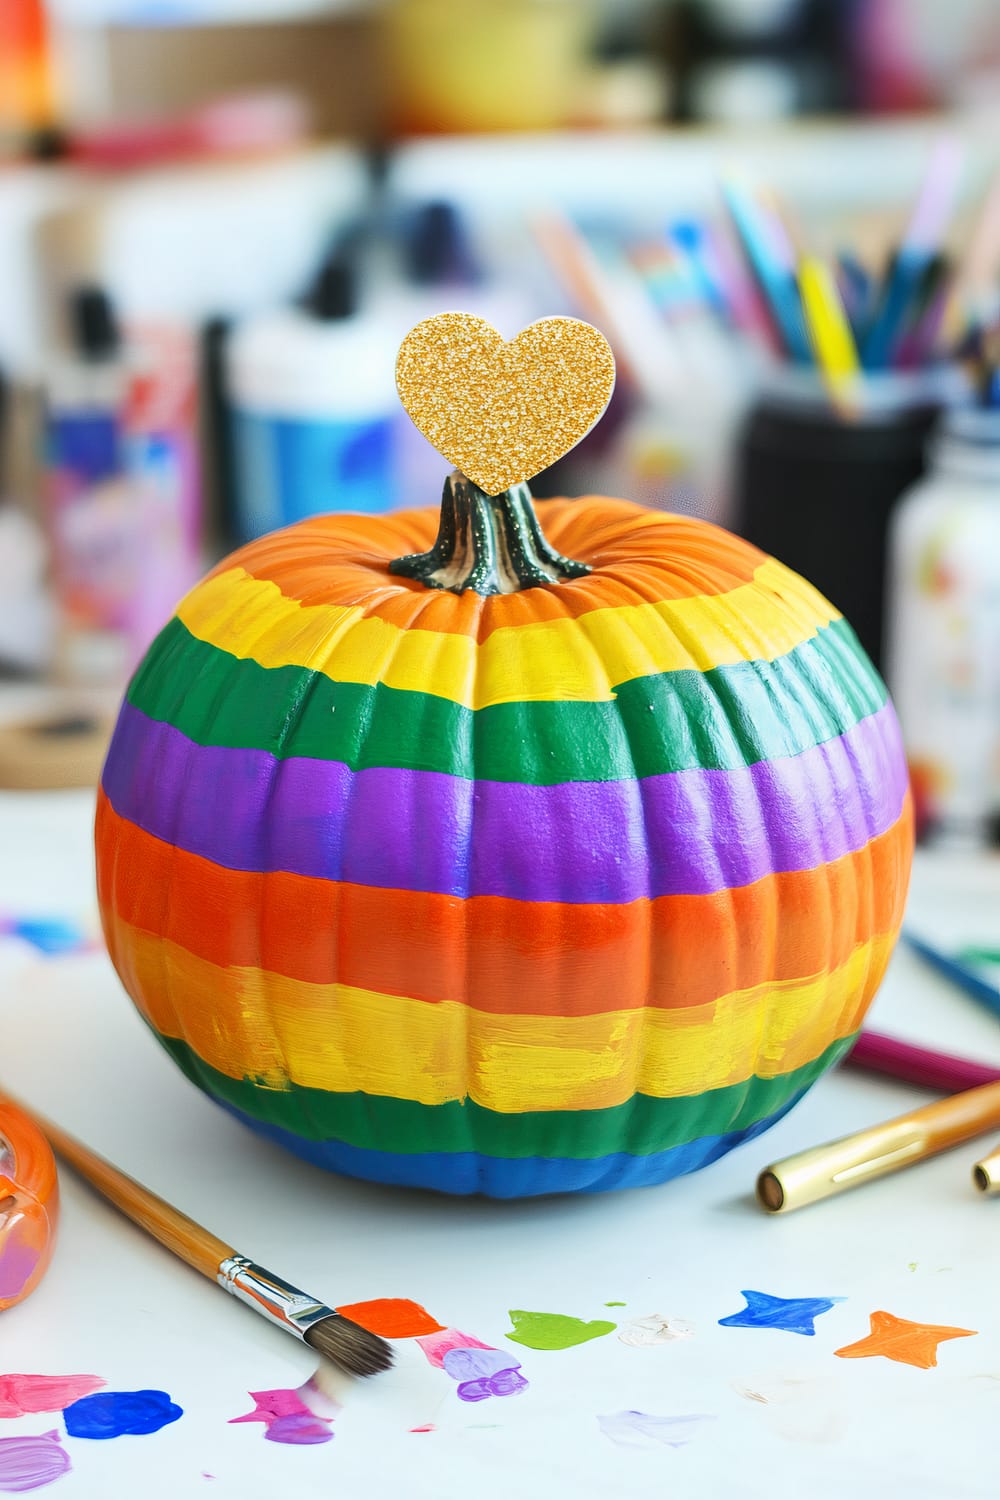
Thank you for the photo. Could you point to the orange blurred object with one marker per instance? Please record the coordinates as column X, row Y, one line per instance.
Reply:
column 29, row 1205
column 27, row 96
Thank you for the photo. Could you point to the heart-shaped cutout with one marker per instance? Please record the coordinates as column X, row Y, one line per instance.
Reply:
column 501, row 412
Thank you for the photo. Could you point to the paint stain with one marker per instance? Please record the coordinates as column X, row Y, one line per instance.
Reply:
column 482, row 1373
column 616, row 1304
column 905, row 1342
column 789, row 1314
column 427, row 1427
column 911, row 1265
column 802, row 1409
column 112, row 1414
column 479, row 1370
column 52, row 936
column 657, row 1328
column 391, row 1317
column 539, row 1330
column 437, row 1345
column 28, row 1463
column 21, row 1395
column 289, row 1418
column 641, row 1429
column 19, row 1260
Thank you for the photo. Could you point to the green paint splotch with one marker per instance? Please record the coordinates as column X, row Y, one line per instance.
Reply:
column 539, row 1330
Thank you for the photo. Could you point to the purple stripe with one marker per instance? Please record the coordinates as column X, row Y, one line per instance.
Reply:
column 684, row 832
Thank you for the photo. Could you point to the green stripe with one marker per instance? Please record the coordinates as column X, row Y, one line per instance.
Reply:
column 729, row 717
column 641, row 1127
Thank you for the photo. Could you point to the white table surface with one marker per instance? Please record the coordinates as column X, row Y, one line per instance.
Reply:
column 921, row 1245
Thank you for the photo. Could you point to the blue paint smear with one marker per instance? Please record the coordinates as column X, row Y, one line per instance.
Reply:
column 790, row 1314
column 50, row 935
column 513, row 1177
column 111, row 1414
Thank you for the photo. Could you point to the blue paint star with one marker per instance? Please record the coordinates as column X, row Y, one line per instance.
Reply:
column 792, row 1314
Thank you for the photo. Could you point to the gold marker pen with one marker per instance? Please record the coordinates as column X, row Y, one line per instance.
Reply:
column 986, row 1173
column 825, row 1170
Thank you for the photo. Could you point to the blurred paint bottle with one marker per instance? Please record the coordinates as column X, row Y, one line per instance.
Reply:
column 91, row 522
column 313, row 405
column 943, row 648
column 161, row 458
column 26, row 615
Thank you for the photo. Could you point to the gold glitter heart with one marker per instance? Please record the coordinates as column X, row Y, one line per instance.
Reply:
column 501, row 412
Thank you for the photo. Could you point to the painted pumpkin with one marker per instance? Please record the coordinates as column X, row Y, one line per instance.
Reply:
column 571, row 886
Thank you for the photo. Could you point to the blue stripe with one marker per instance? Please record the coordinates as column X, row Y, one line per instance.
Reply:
column 465, row 1172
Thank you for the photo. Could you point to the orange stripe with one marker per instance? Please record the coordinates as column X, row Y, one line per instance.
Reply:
column 546, row 958
column 639, row 556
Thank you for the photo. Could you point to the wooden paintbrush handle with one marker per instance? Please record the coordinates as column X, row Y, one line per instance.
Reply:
column 165, row 1223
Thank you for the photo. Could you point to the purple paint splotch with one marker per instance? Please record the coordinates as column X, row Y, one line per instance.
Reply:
column 111, row 1414
column 289, row 1418
column 480, row 1370
column 482, row 1373
column 641, row 1429
column 18, row 1263
column 28, row 1463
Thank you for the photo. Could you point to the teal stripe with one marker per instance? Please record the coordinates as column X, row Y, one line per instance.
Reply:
column 729, row 717
column 642, row 1126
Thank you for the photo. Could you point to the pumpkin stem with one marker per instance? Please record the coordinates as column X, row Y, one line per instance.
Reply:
column 492, row 544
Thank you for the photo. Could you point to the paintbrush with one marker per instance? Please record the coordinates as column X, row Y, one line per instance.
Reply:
column 344, row 1343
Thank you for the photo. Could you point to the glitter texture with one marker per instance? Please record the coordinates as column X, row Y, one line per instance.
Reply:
column 501, row 412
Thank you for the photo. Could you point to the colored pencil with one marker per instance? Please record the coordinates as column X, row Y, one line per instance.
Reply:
column 773, row 269
column 875, row 1053
column 960, row 974
column 829, row 331
column 908, row 267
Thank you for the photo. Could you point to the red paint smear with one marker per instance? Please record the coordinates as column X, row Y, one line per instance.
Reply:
column 21, row 1394
column 427, row 1427
column 392, row 1317
column 269, row 1405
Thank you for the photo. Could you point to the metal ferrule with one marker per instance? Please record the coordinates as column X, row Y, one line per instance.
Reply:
column 268, row 1294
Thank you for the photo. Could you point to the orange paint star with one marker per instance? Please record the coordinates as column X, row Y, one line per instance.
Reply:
column 898, row 1339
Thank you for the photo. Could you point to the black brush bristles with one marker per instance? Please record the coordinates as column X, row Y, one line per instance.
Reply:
column 349, row 1346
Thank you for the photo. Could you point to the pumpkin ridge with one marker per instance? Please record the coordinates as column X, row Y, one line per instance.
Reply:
column 412, row 1127
column 391, row 727
column 584, row 1136
column 512, row 665
column 417, row 918
column 151, row 760
column 563, row 1062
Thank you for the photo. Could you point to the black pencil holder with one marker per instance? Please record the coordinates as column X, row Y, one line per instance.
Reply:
column 816, row 488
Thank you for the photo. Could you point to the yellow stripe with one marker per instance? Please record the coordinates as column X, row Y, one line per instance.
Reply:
column 582, row 658
column 251, row 1023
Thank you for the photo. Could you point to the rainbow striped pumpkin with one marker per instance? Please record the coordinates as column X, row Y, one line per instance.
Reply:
column 566, row 888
